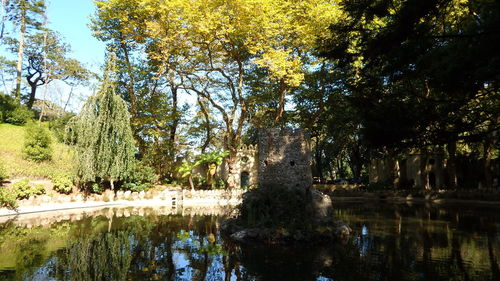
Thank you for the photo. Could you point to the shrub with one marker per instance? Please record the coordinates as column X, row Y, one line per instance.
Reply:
column 63, row 183
column 7, row 105
column 96, row 188
column 7, row 198
column 218, row 184
column 275, row 207
column 141, row 178
column 37, row 144
column 19, row 116
column 23, row 189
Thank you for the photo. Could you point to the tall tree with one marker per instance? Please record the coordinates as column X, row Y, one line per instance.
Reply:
column 48, row 61
column 102, row 135
column 26, row 14
column 423, row 73
column 209, row 46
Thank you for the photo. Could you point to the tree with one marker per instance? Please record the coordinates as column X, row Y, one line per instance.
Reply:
column 48, row 61
column 209, row 46
column 102, row 135
column 427, row 71
column 26, row 14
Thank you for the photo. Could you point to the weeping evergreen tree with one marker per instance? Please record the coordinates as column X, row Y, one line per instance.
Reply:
column 102, row 134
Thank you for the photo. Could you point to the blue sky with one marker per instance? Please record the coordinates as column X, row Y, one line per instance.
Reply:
column 71, row 19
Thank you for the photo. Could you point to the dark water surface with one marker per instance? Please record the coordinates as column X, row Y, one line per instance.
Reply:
column 390, row 242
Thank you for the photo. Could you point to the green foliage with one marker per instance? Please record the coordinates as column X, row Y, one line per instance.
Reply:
column 215, row 157
column 219, row 184
column 58, row 126
column 13, row 113
column 11, row 152
column 23, row 189
column 96, row 188
column 8, row 198
column 102, row 135
column 63, row 183
column 141, row 178
column 37, row 143
column 276, row 207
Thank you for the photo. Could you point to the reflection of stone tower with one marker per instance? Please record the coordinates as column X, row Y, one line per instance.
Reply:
column 284, row 158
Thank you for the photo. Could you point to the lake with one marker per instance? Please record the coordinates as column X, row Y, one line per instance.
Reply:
column 389, row 242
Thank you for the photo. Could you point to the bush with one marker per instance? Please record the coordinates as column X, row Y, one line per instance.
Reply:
column 23, row 189
column 37, row 144
column 141, row 178
column 19, row 116
column 12, row 112
column 96, row 188
column 7, row 198
column 63, row 183
column 276, row 207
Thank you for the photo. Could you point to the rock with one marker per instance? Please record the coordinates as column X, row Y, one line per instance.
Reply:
column 135, row 195
column 119, row 195
column 322, row 205
column 142, row 194
column 230, row 226
column 79, row 198
column 342, row 230
column 247, row 235
column 127, row 193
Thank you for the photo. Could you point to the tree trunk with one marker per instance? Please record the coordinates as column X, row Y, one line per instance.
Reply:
column 31, row 99
column 20, row 53
column 191, row 184
column 424, row 169
column 232, row 175
column 488, row 177
column 130, row 86
column 281, row 107
column 318, row 156
column 452, row 165
column 394, row 167
column 207, row 125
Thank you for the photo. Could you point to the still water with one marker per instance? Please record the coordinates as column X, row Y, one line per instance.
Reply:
column 390, row 242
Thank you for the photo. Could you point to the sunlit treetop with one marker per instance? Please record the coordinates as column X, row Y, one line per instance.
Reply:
column 273, row 34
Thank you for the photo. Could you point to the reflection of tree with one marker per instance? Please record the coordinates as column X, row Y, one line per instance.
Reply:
column 495, row 272
column 104, row 257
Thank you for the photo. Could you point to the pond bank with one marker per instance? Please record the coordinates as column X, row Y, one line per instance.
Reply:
column 370, row 196
column 164, row 198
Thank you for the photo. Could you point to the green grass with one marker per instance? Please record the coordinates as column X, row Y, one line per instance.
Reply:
column 11, row 146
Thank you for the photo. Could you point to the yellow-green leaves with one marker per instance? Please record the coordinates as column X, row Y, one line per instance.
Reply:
column 276, row 34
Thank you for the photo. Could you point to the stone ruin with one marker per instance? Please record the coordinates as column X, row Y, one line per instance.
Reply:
column 284, row 158
column 246, row 166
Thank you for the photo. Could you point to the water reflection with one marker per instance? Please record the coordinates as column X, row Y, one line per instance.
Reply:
column 390, row 242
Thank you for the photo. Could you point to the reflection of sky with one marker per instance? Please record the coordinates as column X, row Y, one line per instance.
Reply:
column 363, row 241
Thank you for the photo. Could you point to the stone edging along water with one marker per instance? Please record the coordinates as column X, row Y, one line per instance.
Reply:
column 165, row 198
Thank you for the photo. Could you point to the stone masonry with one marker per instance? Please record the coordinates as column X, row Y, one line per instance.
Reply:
column 284, row 158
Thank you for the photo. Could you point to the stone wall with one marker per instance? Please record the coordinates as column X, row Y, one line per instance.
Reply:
column 246, row 165
column 285, row 158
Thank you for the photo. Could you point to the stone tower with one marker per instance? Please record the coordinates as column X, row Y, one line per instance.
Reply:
column 284, row 158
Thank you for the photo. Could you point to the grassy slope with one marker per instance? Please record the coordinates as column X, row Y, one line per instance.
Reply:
column 11, row 146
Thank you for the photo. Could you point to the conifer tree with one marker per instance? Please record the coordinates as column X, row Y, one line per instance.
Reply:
column 102, row 134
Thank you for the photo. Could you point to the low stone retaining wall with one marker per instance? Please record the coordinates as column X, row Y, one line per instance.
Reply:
column 169, row 198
